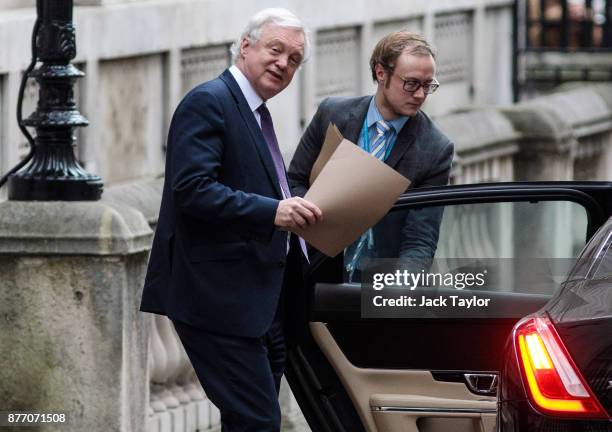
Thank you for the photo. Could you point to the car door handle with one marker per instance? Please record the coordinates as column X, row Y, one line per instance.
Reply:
column 482, row 384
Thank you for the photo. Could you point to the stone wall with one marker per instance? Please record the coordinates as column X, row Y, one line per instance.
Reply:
column 73, row 339
column 129, row 136
column 141, row 57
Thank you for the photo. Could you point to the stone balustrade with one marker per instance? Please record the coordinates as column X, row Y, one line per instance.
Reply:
column 177, row 401
column 566, row 135
column 485, row 145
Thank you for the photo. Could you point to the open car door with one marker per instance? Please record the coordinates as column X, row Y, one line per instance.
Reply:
column 351, row 370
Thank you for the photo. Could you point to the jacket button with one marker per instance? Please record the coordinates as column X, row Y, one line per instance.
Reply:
column 281, row 263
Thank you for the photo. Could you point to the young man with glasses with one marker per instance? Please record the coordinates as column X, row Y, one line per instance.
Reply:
column 390, row 126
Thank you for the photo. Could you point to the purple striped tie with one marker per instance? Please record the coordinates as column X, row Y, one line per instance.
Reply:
column 268, row 132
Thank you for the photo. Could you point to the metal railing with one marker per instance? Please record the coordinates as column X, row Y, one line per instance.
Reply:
column 557, row 41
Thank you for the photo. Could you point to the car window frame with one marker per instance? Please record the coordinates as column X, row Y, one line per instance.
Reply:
column 483, row 193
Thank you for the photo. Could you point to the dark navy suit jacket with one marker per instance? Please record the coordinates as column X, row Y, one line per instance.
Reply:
column 217, row 260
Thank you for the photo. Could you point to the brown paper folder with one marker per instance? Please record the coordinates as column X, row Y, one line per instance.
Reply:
column 333, row 138
column 353, row 189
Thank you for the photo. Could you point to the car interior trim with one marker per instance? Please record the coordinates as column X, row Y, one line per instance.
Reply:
column 389, row 387
column 437, row 410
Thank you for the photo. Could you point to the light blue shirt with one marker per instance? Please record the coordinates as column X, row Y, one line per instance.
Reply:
column 372, row 117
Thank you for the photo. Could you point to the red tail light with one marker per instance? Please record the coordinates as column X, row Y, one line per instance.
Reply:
column 555, row 385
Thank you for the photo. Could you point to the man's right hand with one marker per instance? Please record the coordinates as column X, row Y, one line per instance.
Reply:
column 296, row 212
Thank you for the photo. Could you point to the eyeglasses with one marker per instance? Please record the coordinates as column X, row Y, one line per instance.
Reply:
column 412, row 85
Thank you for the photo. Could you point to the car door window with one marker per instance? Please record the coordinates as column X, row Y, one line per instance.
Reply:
column 521, row 239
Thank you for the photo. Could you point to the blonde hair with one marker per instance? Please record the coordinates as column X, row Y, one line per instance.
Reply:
column 390, row 47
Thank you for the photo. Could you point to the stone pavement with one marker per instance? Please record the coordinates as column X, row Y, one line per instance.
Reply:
column 297, row 423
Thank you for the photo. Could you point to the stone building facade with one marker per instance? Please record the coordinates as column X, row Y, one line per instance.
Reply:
column 141, row 57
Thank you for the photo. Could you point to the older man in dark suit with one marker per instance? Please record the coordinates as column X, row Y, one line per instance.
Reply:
column 222, row 248
column 390, row 126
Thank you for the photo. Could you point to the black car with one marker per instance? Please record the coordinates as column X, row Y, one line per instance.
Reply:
column 557, row 373
column 355, row 367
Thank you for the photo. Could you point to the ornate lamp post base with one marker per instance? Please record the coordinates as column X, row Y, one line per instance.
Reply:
column 22, row 188
column 54, row 173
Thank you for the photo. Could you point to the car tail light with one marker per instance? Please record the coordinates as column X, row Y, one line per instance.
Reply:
column 555, row 385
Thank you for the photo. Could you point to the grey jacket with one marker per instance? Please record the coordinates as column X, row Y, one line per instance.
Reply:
column 422, row 153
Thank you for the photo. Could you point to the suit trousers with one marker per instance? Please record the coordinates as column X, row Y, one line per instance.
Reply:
column 240, row 375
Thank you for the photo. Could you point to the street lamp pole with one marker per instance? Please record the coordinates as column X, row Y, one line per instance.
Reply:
column 54, row 174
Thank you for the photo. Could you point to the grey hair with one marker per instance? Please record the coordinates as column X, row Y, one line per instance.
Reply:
column 279, row 16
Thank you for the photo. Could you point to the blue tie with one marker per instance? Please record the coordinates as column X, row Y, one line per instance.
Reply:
column 379, row 143
column 378, row 147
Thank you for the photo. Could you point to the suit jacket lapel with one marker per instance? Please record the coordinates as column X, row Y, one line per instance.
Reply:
column 405, row 138
column 254, row 129
column 354, row 120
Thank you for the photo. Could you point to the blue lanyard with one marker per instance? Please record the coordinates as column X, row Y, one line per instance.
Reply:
column 366, row 140
column 364, row 135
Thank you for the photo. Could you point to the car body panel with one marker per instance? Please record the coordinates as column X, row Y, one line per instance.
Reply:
column 581, row 313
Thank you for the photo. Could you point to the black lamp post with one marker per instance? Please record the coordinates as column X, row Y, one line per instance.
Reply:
column 54, row 174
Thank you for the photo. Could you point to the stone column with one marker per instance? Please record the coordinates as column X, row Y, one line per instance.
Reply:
column 71, row 337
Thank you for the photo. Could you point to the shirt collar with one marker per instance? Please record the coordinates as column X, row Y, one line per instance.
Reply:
column 374, row 115
column 247, row 89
